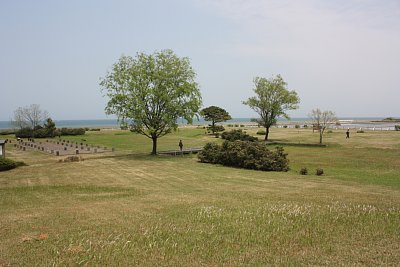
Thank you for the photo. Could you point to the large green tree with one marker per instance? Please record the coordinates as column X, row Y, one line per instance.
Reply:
column 215, row 114
column 151, row 91
column 272, row 100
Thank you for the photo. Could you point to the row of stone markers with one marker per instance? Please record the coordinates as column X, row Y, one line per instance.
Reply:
column 60, row 147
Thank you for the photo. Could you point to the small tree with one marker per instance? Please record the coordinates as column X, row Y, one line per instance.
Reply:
column 215, row 114
column 321, row 120
column 50, row 127
column 272, row 100
column 151, row 92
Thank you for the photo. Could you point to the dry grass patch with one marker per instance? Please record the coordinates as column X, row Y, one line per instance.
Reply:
column 134, row 209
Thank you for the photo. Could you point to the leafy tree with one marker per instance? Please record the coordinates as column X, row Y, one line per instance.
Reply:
column 50, row 127
column 321, row 120
column 272, row 100
column 151, row 91
column 215, row 114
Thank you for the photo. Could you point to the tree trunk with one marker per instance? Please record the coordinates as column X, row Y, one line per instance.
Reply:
column 213, row 127
column 320, row 136
column 154, row 152
column 266, row 133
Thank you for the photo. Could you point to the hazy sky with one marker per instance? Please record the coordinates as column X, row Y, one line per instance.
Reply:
column 341, row 55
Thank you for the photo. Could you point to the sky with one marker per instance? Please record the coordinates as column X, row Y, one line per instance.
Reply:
column 341, row 55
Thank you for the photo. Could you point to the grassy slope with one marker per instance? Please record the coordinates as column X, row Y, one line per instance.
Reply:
column 134, row 209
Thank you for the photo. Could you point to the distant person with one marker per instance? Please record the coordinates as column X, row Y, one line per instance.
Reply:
column 348, row 133
column 180, row 145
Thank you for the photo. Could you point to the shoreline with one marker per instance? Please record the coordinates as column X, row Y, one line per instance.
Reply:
column 112, row 124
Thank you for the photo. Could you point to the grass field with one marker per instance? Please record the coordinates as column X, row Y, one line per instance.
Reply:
column 129, row 208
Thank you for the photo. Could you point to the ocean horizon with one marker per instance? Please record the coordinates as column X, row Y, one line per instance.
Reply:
column 88, row 123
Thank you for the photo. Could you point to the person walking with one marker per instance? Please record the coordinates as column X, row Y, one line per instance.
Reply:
column 348, row 133
column 180, row 145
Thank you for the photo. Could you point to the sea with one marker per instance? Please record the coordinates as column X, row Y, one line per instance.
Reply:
column 348, row 122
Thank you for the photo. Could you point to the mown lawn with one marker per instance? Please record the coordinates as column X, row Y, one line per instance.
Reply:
column 129, row 208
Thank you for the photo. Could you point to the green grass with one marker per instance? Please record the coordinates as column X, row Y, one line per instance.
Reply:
column 128, row 141
column 130, row 208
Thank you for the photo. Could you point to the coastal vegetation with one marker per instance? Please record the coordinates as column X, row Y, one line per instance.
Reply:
column 129, row 208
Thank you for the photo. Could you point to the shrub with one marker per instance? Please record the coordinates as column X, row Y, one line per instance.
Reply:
column 230, row 125
column 216, row 135
column 43, row 133
column 284, row 126
column 360, row 131
column 245, row 154
column 297, row 126
column 241, row 125
column 39, row 132
column 303, row 171
column 238, row 135
column 329, row 131
column 24, row 133
column 210, row 154
column 261, row 132
column 72, row 131
column 94, row 129
column 397, row 127
column 319, row 172
column 305, row 126
column 8, row 164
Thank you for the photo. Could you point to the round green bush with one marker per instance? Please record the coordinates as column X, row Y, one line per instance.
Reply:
column 7, row 164
column 319, row 172
column 303, row 171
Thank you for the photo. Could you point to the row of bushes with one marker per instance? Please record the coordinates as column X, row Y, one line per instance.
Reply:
column 44, row 132
column 245, row 154
column 37, row 133
column 70, row 131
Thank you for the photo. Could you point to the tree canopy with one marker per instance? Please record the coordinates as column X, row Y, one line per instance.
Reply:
column 214, row 114
column 151, row 91
column 272, row 100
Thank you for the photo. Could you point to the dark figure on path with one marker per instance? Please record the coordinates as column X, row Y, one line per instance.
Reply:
column 348, row 133
column 180, row 144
